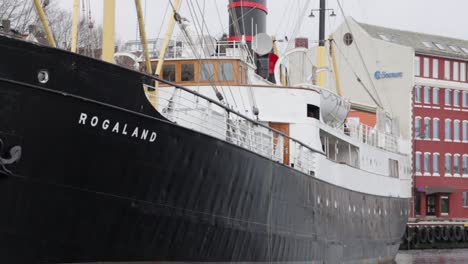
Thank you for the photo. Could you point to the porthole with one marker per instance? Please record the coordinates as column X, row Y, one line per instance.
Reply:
column 43, row 76
column 348, row 39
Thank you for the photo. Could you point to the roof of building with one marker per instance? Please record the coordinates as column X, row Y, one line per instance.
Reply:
column 421, row 42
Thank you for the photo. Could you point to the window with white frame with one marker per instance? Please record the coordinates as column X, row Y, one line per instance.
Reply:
column 465, row 130
column 465, row 165
column 448, row 125
column 417, row 127
column 427, row 127
column 463, row 72
column 456, row 165
column 465, row 199
column 435, row 68
column 465, row 99
column 435, row 163
column 456, row 98
column 456, row 71
column 426, row 67
column 447, row 96
column 417, row 66
column 456, row 130
column 417, row 163
column 435, row 128
column 427, row 158
column 448, row 164
column 417, row 94
column 447, row 70
column 427, row 91
column 435, row 95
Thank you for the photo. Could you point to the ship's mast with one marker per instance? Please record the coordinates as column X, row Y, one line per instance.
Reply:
column 45, row 24
column 144, row 41
column 321, row 52
column 75, row 18
column 108, row 31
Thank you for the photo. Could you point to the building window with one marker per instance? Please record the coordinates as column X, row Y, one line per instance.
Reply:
column 456, row 165
column 447, row 70
column 463, row 72
column 427, row 128
column 465, row 165
column 465, row 99
column 465, row 130
column 417, row 163
column 426, row 163
column 444, row 205
column 417, row 203
column 426, row 67
column 187, row 72
column 427, row 91
column 465, row 199
column 226, row 71
column 456, row 71
column 417, row 66
column 456, row 130
column 435, row 68
column 456, row 98
column 435, row 163
column 448, row 124
column 447, row 97
column 417, row 94
column 435, row 96
column 417, row 127
column 206, row 72
column 448, row 165
column 435, row 128
column 440, row 46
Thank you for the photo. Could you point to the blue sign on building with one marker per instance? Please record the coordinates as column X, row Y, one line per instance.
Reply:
column 385, row 75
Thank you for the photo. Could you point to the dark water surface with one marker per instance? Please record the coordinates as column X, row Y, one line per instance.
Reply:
column 433, row 256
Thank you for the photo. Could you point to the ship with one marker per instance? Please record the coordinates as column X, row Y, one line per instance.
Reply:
column 104, row 164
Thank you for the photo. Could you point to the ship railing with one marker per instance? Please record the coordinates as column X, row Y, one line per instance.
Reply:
column 372, row 136
column 194, row 111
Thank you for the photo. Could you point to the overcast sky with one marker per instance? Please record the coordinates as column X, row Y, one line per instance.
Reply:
column 447, row 17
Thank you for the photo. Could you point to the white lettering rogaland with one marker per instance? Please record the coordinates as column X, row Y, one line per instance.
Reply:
column 117, row 127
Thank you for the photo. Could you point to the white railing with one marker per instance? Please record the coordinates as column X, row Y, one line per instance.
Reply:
column 199, row 113
column 371, row 136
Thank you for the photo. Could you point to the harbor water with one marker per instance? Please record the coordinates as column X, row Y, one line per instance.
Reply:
column 433, row 256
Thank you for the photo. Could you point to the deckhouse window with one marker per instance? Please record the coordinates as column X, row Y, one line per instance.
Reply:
column 226, row 71
column 187, row 72
column 206, row 72
column 169, row 72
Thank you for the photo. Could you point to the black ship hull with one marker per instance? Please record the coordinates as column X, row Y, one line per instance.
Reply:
column 88, row 188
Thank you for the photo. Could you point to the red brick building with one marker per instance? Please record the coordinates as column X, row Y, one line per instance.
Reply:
column 440, row 123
